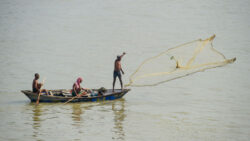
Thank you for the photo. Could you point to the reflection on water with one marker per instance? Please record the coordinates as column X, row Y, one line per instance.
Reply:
column 79, row 110
column 80, row 119
column 76, row 113
column 118, row 107
column 37, row 112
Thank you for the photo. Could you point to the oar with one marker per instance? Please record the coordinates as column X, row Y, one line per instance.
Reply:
column 38, row 98
column 70, row 99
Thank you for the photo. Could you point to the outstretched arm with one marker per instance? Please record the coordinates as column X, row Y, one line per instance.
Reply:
column 86, row 89
column 122, row 55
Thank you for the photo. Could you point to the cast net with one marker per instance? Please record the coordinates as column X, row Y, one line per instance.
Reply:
column 178, row 62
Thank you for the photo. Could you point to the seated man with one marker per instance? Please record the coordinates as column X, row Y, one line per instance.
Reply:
column 37, row 86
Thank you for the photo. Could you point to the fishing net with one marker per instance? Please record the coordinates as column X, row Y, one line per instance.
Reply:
column 178, row 62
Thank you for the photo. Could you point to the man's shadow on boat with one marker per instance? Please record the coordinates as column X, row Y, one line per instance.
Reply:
column 78, row 109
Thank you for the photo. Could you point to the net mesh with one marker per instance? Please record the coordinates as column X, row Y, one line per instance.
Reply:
column 178, row 62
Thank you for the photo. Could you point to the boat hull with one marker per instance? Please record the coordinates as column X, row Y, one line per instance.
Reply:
column 109, row 95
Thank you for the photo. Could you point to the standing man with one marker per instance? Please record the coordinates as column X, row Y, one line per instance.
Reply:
column 118, row 70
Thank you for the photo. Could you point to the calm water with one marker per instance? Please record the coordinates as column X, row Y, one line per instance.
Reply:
column 64, row 39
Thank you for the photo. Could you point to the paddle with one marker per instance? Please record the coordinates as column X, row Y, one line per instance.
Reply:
column 71, row 99
column 38, row 98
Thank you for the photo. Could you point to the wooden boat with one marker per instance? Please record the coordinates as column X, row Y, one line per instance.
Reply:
column 64, row 95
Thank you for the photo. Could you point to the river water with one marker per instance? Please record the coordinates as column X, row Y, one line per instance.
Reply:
column 62, row 39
